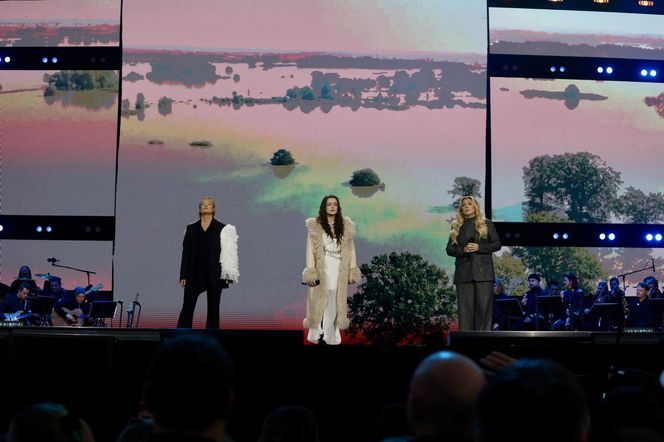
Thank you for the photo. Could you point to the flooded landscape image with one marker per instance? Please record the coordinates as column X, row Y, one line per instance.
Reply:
column 204, row 122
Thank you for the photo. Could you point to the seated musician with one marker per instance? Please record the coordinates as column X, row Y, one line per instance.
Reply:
column 641, row 314
column 533, row 319
column 500, row 316
column 572, row 297
column 600, row 320
column 71, row 309
column 15, row 302
column 24, row 276
column 53, row 287
column 653, row 287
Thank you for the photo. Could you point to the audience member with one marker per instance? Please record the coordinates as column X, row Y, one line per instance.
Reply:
column 290, row 424
column 188, row 390
column 48, row 422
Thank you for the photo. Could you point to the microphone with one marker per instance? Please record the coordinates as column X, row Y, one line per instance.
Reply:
column 653, row 264
column 52, row 260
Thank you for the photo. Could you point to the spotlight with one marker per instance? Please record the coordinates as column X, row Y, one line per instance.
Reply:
column 39, row 229
column 658, row 237
column 7, row 60
column 646, row 2
column 556, row 236
column 54, row 59
column 565, row 236
column 653, row 73
column 600, row 69
column 562, row 69
column 644, row 72
column 612, row 236
column 602, row 236
column 609, row 70
column 649, row 237
column 49, row 229
column 552, row 69
column 1, row 228
column 44, row 59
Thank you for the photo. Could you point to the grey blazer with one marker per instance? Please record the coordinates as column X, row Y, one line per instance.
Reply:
column 476, row 266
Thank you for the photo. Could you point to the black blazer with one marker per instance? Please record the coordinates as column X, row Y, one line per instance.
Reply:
column 476, row 266
column 189, row 245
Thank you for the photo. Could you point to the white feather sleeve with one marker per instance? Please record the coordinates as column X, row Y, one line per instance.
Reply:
column 228, row 259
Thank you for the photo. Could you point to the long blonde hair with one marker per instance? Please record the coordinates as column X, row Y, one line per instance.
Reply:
column 480, row 224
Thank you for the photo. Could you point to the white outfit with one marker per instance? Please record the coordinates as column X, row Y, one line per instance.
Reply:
column 328, row 329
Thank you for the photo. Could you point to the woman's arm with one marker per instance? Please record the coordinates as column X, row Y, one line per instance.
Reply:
column 492, row 244
column 310, row 274
column 354, row 275
column 454, row 249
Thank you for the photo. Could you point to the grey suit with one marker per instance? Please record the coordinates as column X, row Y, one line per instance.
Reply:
column 474, row 275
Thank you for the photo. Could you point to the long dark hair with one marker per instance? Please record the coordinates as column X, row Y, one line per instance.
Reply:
column 572, row 278
column 338, row 219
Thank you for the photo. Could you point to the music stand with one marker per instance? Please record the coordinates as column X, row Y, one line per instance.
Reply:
column 43, row 306
column 601, row 310
column 102, row 310
column 657, row 306
column 549, row 307
column 509, row 305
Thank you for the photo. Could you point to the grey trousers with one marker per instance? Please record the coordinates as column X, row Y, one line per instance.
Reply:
column 475, row 302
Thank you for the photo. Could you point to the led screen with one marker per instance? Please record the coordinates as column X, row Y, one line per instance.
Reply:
column 577, row 151
column 60, row 23
column 210, row 93
column 520, row 31
column 58, row 146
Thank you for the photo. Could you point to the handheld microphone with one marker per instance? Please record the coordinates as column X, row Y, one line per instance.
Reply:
column 653, row 264
column 52, row 260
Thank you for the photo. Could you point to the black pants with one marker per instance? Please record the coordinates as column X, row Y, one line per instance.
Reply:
column 190, row 297
column 475, row 302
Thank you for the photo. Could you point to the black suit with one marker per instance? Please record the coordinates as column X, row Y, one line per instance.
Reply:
column 201, row 269
column 474, row 275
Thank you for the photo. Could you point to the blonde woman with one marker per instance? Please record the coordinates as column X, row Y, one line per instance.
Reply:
column 331, row 266
column 472, row 241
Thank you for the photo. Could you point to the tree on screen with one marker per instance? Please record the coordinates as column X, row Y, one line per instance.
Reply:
column 638, row 208
column 465, row 186
column 581, row 185
column 364, row 177
column 513, row 273
column 282, row 157
column 403, row 299
column 552, row 263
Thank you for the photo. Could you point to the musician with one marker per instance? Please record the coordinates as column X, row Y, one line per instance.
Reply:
column 65, row 306
column 553, row 288
column 24, row 276
column 16, row 301
column 599, row 321
column 53, row 287
column 500, row 316
column 209, row 263
column 572, row 298
column 653, row 287
column 532, row 321
column 641, row 313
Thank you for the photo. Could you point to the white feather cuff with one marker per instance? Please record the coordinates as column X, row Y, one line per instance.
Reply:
column 228, row 258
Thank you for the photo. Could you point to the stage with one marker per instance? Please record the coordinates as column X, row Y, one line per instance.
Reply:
column 99, row 372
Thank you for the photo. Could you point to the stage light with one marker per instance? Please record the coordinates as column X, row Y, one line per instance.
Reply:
column 1, row 228
column 555, row 1
column 646, row 3
column 54, row 59
column 609, row 70
column 556, row 236
column 653, row 73
column 644, row 72
column 562, row 69
column 49, row 229
column 600, row 69
column 649, row 237
column 7, row 59
column 612, row 236
column 44, row 59
column 39, row 229
column 658, row 237
column 602, row 236
column 552, row 69
column 565, row 236
column 601, row 2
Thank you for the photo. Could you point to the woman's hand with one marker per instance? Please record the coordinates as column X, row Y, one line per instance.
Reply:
column 183, row 282
column 471, row 247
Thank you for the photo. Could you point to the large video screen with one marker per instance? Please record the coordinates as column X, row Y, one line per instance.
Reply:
column 59, row 142
column 60, row 23
column 212, row 92
column 520, row 31
column 577, row 151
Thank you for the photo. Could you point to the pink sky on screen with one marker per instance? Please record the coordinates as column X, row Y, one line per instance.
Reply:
column 370, row 26
column 66, row 10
